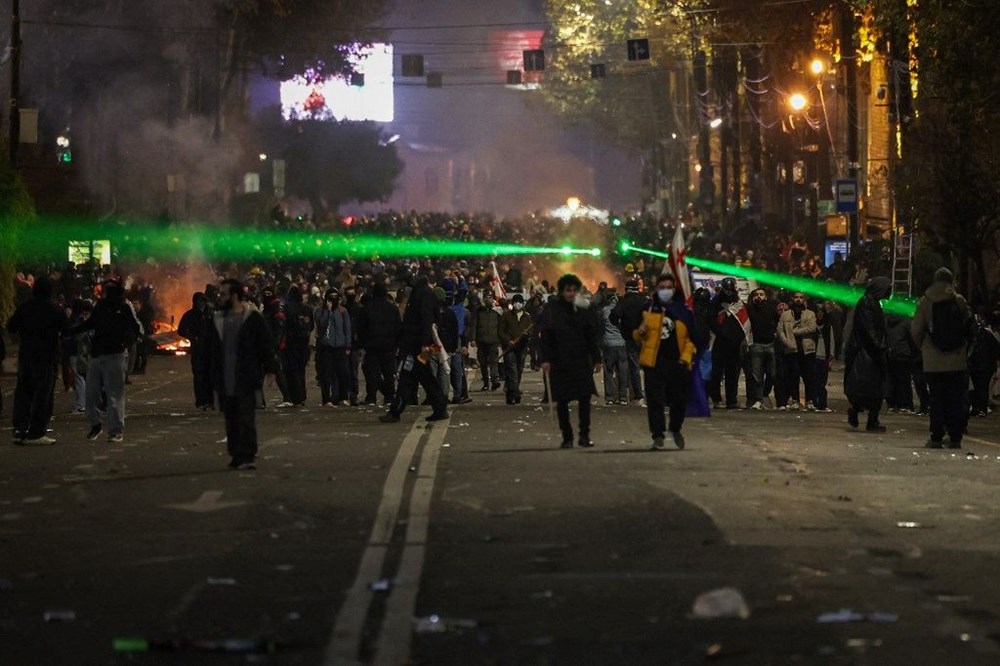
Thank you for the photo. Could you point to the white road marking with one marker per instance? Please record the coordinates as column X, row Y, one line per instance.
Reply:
column 209, row 501
column 393, row 645
column 346, row 637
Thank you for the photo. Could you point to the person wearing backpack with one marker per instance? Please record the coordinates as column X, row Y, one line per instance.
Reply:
column 941, row 329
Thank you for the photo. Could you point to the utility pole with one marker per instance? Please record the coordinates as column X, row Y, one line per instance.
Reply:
column 14, row 123
column 848, row 59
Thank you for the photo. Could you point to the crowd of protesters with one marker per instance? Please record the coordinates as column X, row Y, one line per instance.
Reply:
column 370, row 327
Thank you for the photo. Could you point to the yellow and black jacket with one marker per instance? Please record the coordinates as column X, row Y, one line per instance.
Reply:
column 652, row 317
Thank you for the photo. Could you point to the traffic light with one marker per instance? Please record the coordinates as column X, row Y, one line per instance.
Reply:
column 64, row 149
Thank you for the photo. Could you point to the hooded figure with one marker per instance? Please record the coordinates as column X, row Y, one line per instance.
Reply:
column 866, row 356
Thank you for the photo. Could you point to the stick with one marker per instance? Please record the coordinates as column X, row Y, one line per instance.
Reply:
column 548, row 396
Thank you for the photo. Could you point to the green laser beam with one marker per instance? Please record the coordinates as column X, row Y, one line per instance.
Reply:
column 240, row 244
column 847, row 295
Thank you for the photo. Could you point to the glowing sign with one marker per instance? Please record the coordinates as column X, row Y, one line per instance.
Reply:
column 337, row 99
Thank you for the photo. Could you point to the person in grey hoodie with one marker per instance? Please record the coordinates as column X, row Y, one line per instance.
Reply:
column 942, row 329
column 333, row 349
column 616, row 370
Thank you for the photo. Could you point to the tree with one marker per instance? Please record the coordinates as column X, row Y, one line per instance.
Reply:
column 948, row 183
column 331, row 163
column 16, row 210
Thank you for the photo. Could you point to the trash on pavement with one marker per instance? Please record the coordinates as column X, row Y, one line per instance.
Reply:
column 720, row 603
column 221, row 581
column 59, row 616
column 909, row 525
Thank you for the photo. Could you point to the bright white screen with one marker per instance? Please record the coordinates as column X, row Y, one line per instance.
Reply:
column 342, row 101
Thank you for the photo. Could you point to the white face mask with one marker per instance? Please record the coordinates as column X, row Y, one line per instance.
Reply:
column 665, row 295
column 581, row 301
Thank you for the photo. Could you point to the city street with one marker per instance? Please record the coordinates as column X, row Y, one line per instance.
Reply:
column 351, row 535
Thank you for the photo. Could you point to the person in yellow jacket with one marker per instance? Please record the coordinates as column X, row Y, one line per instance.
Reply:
column 666, row 355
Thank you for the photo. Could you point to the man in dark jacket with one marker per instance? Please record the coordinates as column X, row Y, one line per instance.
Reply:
column 570, row 337
column 486, row 327
column 627, row 316
column 194, row 326
column 378, row 327
column 353, row 307
column 764, row 324
column 334, row 336
column 115, row 328
column 514, row 331
column 416, row 344
column 731, row 339
column 866, row 355
column 298, row 329
column 38, row 323
column 240, row 354
column 275, row 316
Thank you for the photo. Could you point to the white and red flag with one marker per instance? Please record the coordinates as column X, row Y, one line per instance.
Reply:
column 678, row 264
column 498, row 289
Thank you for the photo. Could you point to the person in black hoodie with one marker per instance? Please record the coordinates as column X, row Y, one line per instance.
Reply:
column 298, row 329
column 275, row 316
column 571, row 355
column 38, row 323
column 241, row 355
column 194, row 326
column 627, row 316
column 416, row 343
column 115, row 328
column 378, row 327
column 764, row 324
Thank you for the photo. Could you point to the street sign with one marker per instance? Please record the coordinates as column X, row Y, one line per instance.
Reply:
column 847, row 196
column 638, row 49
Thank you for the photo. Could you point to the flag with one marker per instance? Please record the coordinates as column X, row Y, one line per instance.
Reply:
column 498, row 289
column 678, row 264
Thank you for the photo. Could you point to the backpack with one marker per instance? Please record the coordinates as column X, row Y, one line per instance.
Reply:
column 949, row 329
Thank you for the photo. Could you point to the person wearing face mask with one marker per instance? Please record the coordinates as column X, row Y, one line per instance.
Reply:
column 334, row 335
column 514, row 332
column 241, row 356
column 298, row 329
column 763, row 369
column 666, row 355
column 570, row 354
column 798, row 333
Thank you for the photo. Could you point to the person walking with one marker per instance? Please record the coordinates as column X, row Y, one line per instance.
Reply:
column 240, row 356
column 866, row 355
column 116, row 328
column 514, row 332
column 194, row 326
column 416, row 344
column 485, row 332
column 666, row 355
column 38, row 323
column 942, row 328
column 570, row 356
column 616, row 368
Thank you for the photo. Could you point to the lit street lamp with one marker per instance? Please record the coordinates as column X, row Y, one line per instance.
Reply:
column 798, row 102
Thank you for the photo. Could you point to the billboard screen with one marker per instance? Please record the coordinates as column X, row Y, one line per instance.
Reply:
column 338, row 99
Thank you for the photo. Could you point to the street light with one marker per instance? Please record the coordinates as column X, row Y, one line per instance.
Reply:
column 817, row 66
column 798, row 102
column 716, row 123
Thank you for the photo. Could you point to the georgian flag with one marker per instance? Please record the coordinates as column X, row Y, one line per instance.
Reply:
column 678, row 264
column 498, row 289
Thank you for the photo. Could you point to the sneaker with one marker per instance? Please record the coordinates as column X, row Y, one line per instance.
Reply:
column 642, row 402
column 389, row 418
column 567, row 444
column 495, row 386
column 757, row 406
column 95, row 432
column 716, row 405
column 585, row 443
column 80, row 410
column 284, row 405
column 658, row 444
column 344, row 403
column 954, row 445
column 39, row 441
column 810, row 407
column 437, row 417
column 782, row 408
column 678, row 440
column 114, row 439
column 852, row 417
column 934, row 444
column 464, row 401
column 246, row 466
column 794, row 406
column 610, row 403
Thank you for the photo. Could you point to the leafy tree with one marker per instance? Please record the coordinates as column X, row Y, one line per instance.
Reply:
column 331, row 163
column 16, row 210
column 948, row 182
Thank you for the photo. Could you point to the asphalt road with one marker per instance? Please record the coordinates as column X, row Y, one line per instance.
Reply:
column 526, row 554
